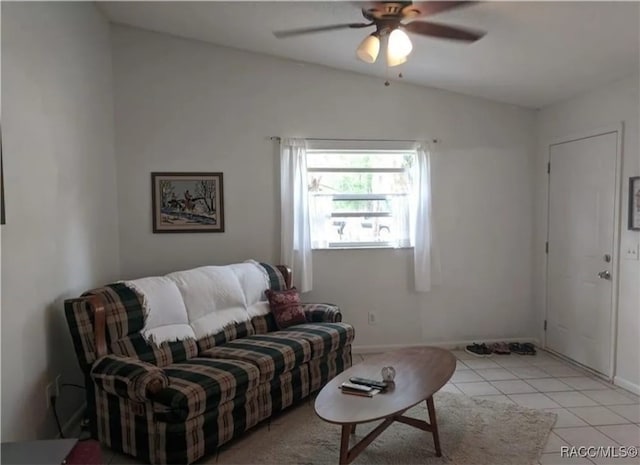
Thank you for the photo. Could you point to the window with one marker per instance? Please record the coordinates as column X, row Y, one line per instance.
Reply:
column 360, row 198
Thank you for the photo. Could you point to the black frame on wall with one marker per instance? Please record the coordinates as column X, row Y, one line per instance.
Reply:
column 1, row 183
column 634, row 203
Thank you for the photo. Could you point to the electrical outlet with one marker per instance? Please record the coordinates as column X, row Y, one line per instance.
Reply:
column 372, row 318
column 631, row 251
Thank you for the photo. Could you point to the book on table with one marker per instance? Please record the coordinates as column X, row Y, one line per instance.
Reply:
column 358, row 390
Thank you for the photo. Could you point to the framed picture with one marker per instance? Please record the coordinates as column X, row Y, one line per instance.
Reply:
column 1, row 184
column 187, row 202
column 634, row 203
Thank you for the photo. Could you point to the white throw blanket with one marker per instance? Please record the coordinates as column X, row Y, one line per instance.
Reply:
column 163, row 308
column 201, row 302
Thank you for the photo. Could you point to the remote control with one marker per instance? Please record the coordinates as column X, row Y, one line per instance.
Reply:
column 356, row 387
column 368, row 382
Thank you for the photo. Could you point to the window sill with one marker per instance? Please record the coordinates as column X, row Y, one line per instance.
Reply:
column 364, row 247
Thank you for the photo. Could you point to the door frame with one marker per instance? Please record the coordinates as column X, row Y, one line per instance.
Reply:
column 617, row 228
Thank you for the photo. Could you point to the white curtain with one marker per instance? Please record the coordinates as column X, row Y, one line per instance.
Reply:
column 320, row 219
column 295, row 226
column 425, row 262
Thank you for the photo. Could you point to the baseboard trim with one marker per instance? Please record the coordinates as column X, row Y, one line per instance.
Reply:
column 585, row 368
column 73, row 421
column 451, row 345
column 628, row 385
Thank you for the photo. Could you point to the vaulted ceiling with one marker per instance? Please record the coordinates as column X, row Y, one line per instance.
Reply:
column 534, row 53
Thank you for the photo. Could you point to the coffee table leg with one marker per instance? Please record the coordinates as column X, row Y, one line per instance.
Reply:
column 344, row 444
column 434, row 425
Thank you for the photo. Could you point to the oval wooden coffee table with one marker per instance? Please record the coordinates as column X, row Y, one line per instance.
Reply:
column 420, row 373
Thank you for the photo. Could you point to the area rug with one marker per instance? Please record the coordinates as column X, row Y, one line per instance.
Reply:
column 472, row 431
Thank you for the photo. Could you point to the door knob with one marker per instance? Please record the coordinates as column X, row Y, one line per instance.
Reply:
column 604, row 274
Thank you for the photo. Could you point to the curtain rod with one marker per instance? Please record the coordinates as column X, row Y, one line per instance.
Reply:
column 434, row 141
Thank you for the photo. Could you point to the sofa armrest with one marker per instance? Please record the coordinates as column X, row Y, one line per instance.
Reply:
column 128, row 377
column 322, row 313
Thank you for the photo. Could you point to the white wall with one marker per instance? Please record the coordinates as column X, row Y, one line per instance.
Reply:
column 187, row 106
column 609, row 105
column 61, row 236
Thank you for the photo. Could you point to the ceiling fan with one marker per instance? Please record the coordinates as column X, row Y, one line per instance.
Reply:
column 390, row 20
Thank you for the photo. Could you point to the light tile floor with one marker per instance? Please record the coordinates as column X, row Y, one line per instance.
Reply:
column 591, row 412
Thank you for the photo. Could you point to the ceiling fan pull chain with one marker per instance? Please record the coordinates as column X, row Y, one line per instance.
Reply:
column 387, row 83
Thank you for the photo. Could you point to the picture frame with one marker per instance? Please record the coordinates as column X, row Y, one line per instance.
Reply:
column 187, row 202
column 2, row 218
column 634, row 203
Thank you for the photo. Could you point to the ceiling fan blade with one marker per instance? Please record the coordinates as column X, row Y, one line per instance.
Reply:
column 311, row 30
column 433, row 8
column 443, row 31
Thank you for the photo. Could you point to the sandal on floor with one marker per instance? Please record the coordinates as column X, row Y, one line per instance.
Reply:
column 500, row 348
column 487, row 350
column 528, row 349
column 514, row 347
column 479, row 350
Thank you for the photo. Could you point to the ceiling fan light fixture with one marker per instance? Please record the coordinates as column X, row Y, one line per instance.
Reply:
column 398, row 47
column 395, row 60
column 369, row 48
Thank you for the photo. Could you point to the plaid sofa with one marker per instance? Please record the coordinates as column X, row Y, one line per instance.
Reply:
column 178, row 401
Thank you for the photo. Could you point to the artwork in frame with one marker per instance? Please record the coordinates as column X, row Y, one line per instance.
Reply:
column 1, row 183
column 187, row 202
column 634, row 203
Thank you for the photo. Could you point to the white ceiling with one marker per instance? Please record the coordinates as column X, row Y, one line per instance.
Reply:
column 534, row 54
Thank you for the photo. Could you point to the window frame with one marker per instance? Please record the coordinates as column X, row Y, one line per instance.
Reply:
column 405, row 243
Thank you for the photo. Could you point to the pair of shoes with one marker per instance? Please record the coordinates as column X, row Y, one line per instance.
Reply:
column 479, row 350
column 525, row 348
column 500, row 348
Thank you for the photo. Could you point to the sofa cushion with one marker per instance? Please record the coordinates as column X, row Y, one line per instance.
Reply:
column 273, row 354
column 200, row 385
column 229, row 333
column 314, row 313
column 166, row 317
column 200, row 302
column 323, row 369
column 276, row 279
column 124, row 323
column 286, row 307
column 282, row 391
column 213, row 298
column 161, row 355
column 264, row 324
column 253, row 279
column 323, row 337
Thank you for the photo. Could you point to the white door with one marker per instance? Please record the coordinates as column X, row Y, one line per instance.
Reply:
column 581, row 258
